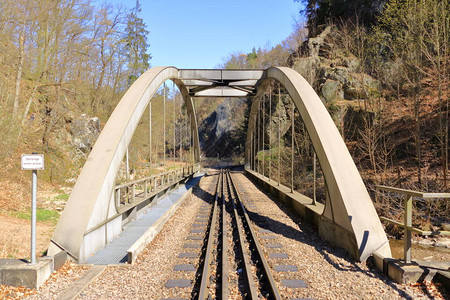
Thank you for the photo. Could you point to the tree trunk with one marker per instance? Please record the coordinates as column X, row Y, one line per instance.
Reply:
column 27, row 109
column 19, row 75
column 417, row 135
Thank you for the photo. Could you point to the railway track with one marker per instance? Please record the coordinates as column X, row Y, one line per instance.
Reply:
column 172, row 266
column 232, row 263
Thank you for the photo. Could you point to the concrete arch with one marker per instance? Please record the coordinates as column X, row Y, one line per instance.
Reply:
column 349, row 219
column 89, row 219
column 80, row 230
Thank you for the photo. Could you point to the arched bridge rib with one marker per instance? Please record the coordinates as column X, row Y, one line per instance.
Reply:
column 349, row 219
column 91, row 202
column 349, row 212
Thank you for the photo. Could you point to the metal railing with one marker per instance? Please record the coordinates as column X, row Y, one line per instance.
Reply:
column 129, row 195
column 134, row 192
column 407, row 217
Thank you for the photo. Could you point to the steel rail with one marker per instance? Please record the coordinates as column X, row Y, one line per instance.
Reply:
column 240, row 229
column 204, row 284
column 224, row 257
column 265, row 266
column 226, row 188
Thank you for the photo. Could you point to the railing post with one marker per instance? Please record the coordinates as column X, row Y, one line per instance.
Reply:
column 133, row 190
column 292, row 148
column 270, row 131
column 259, row 137
column 174, row 124
column 263, row 135
column 150, row 132
column 279, row 136
column 145, row 189
column 251, row 151
column 127, row 166
column 254, row 145
column 315, row 177
column 407, row 226
column 164, row 122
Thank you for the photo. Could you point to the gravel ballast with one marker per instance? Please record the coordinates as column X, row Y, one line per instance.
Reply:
column 327, row 272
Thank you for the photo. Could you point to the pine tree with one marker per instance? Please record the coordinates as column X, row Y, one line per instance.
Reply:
column 324, row 12
column 136, row 44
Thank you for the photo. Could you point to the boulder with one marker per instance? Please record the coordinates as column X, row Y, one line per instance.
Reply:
column 340, row 74
column 351, row 63
column 332, row 91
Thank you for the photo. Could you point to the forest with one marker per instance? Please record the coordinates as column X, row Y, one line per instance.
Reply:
column 398, row 50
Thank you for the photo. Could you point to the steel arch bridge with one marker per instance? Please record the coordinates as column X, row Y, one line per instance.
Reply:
column 90, row 218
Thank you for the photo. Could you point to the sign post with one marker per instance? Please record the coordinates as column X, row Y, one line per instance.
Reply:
column 33, row 162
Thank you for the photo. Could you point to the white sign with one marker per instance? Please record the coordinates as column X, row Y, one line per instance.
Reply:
column 32, row 161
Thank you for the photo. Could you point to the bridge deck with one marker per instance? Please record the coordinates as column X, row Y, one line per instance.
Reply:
column 294, row 249
column 116, row 251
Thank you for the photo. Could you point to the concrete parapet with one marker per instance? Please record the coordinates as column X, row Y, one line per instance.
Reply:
column 16, row 272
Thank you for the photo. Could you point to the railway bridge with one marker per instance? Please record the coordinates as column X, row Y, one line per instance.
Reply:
column 94, row 214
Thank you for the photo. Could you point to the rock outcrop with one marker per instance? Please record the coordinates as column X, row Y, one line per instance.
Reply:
column 336, row 74
column 84, row 131
column 222, row 133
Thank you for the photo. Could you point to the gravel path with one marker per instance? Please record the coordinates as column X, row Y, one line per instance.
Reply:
column 328, row 272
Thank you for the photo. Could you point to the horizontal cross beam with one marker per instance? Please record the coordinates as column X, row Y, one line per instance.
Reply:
column 221, row 83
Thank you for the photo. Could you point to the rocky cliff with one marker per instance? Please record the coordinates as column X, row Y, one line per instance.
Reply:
column 335, row 73
column 222, row 133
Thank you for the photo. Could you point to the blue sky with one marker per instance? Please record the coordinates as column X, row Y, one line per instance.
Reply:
column 202, row 34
